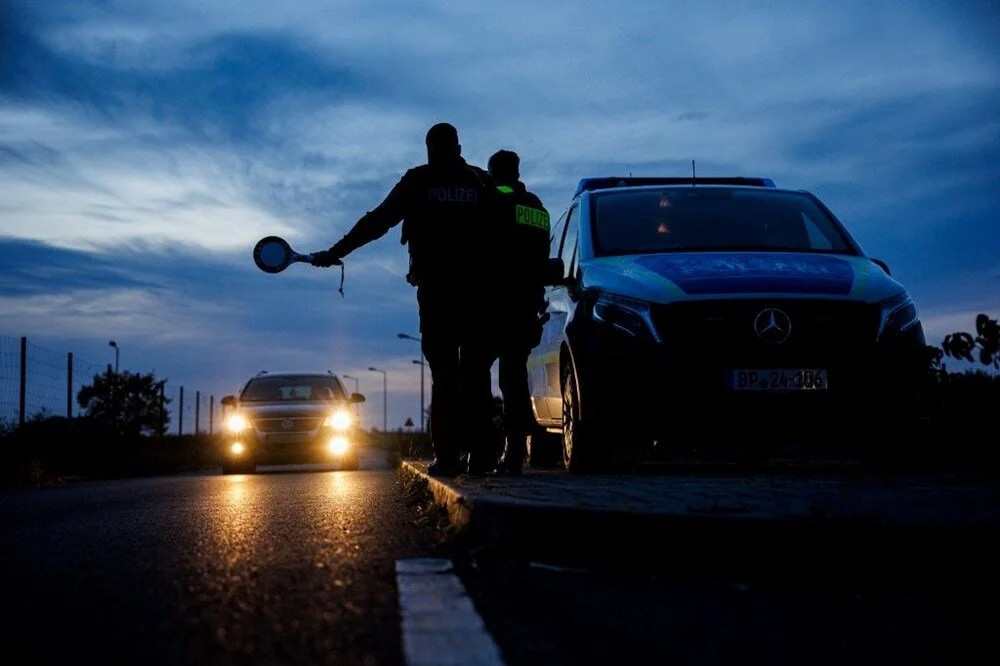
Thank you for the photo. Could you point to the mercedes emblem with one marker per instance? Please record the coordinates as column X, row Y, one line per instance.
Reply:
column 772, row 326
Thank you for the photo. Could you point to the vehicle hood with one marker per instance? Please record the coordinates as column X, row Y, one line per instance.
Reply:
column 280, row 410
column 670, row 277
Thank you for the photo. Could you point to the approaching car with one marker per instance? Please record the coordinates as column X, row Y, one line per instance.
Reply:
column 292, row 417
column 714, row 310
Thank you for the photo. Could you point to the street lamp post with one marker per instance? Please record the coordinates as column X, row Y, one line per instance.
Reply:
column 422, row 362
column 357, row 412
column 385, row 398
column 355, row 381
column 115, row 345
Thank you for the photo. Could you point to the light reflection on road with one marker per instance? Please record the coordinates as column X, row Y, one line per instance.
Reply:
column 236, row 521
column 342, row 485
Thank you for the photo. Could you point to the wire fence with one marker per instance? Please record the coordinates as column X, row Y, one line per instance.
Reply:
column 37, row 382
column 198, row 410
column 10, row 371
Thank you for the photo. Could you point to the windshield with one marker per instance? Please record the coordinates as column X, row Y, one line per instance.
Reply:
column 712, row 218
column 275, row 389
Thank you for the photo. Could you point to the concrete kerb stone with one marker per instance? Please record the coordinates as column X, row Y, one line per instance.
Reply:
column 458, row 507
column 488, row 514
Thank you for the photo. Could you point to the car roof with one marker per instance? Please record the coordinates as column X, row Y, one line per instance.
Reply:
column 644, row 188
column 607, row 182
column 294, row 374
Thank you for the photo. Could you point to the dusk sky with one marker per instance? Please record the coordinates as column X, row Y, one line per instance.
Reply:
column 146, row 146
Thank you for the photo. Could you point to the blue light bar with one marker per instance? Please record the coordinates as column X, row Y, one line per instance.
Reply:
column 606, row 182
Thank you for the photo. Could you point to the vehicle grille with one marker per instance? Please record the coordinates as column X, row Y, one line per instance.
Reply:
column 722, row 332
column 277, row 425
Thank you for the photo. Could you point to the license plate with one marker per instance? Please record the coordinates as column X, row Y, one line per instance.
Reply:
column 287, row 438
column 782, row 379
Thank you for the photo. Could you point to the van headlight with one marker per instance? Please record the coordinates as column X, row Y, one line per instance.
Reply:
column 899, row 314
column 625, row 315
column 339, row 420
column 237, row 423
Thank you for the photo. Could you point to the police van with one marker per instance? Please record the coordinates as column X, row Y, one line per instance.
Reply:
column 715, row 313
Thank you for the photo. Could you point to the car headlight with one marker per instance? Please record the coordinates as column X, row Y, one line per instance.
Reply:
column 237, row 423
column 237, row 448
column 339, row 420
column 899, row 314
column 626, row 315
column 338, row 446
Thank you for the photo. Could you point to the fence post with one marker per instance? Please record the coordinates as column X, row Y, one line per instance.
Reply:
column 24, row 377
column 211, row 413
column 197, row 411
column 180, row 414
column 163, row 407
column 69, row 385
column 111, row 393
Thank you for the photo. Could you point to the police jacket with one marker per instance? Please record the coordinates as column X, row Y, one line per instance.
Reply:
column 524, row 225
column 446, row 213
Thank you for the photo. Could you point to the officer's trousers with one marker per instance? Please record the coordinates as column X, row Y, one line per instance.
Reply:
column 519, row 332
column 478, row 354
column 441, row 335
column 517, row 413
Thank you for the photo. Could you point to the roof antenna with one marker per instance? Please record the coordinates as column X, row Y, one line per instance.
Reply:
column 693, row 176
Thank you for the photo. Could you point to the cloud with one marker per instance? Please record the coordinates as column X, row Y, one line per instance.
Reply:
column 33, row 268
column 205, row 322
column 94, row 312
column 144, row 148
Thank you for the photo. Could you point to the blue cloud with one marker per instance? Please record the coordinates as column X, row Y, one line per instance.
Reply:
column 215, row 94
column 152, row 143
column 32, row 268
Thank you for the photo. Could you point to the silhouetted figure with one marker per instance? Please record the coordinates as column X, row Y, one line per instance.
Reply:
column 445, row 207
column 520, row 299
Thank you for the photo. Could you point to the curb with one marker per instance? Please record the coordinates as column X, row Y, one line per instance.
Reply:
column 540, row 530
column 451, row 500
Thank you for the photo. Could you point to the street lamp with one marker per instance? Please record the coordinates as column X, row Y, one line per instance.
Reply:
column 355, row 381
column 385, row 398
column 422, row 362
column 115, row 345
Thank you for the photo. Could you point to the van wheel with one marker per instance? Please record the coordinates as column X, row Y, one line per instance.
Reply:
column 580, row 438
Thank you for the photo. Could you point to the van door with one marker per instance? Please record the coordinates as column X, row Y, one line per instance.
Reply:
column 543, row 374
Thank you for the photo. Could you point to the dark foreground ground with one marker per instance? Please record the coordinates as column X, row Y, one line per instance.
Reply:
column 297, row 565
column 293, row 565
column 792, row 613
column 782, row 567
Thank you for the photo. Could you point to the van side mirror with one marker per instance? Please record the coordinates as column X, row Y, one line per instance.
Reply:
column 555, row 273
column 228, row 401
column 881, row 264
column 356, row 397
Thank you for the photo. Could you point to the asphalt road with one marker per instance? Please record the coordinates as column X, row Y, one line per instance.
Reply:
column 292, row 565
column 297, row 565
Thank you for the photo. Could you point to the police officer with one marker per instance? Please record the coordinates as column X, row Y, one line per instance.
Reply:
column 520, row 299
column 445, row 207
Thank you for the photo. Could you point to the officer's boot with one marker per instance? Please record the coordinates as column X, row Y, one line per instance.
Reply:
column 513, row 457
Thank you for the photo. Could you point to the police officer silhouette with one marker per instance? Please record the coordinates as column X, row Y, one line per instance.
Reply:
column 520, row 298
column 445, row 207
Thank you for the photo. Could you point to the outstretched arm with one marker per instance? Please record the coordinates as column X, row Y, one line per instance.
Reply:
column 374, row 224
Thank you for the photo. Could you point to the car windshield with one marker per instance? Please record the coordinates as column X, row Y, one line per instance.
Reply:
column 274, row 389
column 712, row 218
